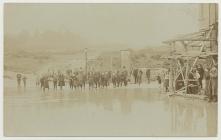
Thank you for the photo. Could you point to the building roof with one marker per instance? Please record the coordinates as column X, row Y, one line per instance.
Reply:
column 196, row 36
column 191, row 54
column 199, row 36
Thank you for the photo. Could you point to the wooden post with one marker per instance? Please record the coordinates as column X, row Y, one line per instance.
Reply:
column 171, row 77
column 111, row 59
column 85, row 61
column 186, row 75
column 181, row 70
column 171, row 74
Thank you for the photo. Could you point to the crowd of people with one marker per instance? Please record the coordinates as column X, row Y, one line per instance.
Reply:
column 102, row 79
column 78, row 79
column 94, row 79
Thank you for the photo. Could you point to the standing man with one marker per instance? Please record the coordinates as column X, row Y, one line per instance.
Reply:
column 135, row 73
column 24, row 80
column 46, row 83
column 37, row 81
column 207, row 83
column 214, row 83
column 201, row 73
column 125, row 76
column 42, row 81
column 148, row 75
column 139, row 77
column 196, row 77
column 159, row 79
column 55, row 81
column 166, row 81
column 19, row 79
column 61, row 81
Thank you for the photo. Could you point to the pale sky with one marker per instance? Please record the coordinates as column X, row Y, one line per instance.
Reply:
column 132, row 24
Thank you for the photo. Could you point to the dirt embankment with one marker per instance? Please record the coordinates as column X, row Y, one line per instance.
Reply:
column 32, row 63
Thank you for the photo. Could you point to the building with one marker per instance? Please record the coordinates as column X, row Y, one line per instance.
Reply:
column 208, row 17
column 125, row 59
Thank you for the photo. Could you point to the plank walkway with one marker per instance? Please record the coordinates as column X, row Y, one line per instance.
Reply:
column 192, row 96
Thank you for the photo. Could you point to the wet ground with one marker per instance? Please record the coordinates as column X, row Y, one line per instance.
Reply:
column 131, row 111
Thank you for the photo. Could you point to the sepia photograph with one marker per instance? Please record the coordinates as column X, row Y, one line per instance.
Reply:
column 110, row 69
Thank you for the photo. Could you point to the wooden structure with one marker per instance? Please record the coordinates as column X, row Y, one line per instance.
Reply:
column 181, row 64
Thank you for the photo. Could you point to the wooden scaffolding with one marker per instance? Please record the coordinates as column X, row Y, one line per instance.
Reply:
column 181, row 64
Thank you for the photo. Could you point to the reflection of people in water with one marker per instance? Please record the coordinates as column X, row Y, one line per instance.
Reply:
column 211, row 120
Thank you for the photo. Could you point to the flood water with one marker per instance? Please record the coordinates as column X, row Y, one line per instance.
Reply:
column 132, row 111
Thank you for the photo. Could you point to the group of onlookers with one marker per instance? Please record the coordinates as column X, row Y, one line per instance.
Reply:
column 209, row 75
column 201, row 80
column 78, row 79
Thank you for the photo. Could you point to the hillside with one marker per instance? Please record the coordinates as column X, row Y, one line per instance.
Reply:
column 29, row 53
column 149, row 56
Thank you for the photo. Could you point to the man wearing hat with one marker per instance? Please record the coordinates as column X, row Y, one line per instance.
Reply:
column 214, row 83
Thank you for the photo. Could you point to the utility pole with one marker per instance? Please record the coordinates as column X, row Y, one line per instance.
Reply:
column 85, row 51
column 111, row 63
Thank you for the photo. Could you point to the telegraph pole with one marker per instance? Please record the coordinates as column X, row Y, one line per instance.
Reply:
column 85, row 51
column 111, row 63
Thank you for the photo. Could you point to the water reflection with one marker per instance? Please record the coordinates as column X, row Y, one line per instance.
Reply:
column 106, row 112
column 193, row 117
